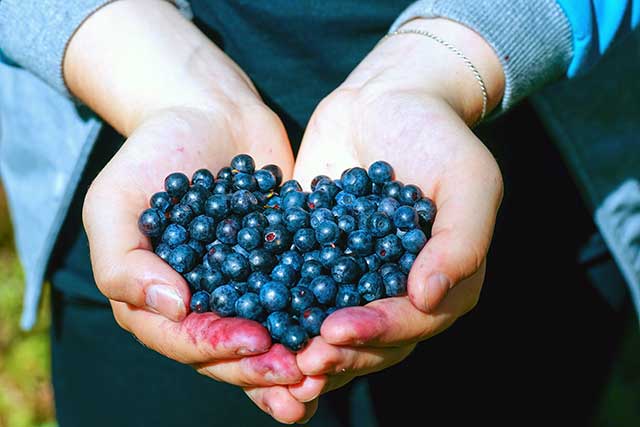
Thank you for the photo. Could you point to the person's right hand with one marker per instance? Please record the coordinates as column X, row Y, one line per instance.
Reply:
column 184, row 105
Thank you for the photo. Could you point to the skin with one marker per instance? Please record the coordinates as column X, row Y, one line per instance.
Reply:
column 183, row 104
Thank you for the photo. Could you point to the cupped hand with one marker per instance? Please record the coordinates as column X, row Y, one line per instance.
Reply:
column 398, row 106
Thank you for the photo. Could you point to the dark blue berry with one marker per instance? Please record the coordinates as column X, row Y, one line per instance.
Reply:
column 243, row 163
column 202, row 228
column 291, row 185
column 176, row 184
column 380, row 172
column 163, row 251
column 200, row 302
column 244, row 181
column 361, row 242
column 319, row 199
column 151, row 222
column 381, row 225
column 240, row 250
column 347, row 296
column 160, row 201
column 274, row 296
column 373, row 262
column 174, row 235
column 265, row 179
column 277, row 323
column 295, row 219
column 376, row 188
column 339, row 211
column 406, row 262
column 347, row 223
column 217, row 252
column 392, row 189
column 327, row 232
column 284, row 274
column 329, row 255
column 388, row 205
column 194, row 277
column 324, row 288
column 249, row 238
column 319, row 215
column 242, row 202
column 225, row 174
column 210, row 279
column 181, row 214
column 221, row 187
column 311, row 268
column 223, row 300
column 217, row 206
column 276, row 171
column 241, row 287
column 395, row 284
column 363, row 206
column 330, row 188
column 293, row 199
column 195, row 198
column 294, row 337
column 274, row 202
column 346, row 270
column 248, row 306
column 311, row 320
column 255, row 220
column 183, row 258
column 410, row 194
column 227, row 231
column 371, row 286
column 236, row 267
column 405, row 218
column 414, row 240
column 197, row 246
column 426, row 209
column 260, row 197
column 262, row 260
column 305, row 239
column 345, row 199
column 292, row 259
column 301, row 299
column 388, row 268
column 204, row 178
column 356, row 181
column 274, row 217
column 312, row 255
column 276, row 239
column 389, row 248
column 256, row 280
column 317, row 180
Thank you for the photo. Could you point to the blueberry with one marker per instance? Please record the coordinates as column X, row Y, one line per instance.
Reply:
column 339, row 211
column 284, row 274
column 301, row 299
column 345, row 199
column 163, row 251
column 294, row 337
column 160, row 201
column 277, row 323
column 200, row 302
column 426, row 209
column 347, row 296
column 225, row 174
column 265, row 180
column 276, row 171
column 388, row 205
column 174, row 235
column 248, row 306
column 363, row 206
column 395, row 284
column 243, row 163
column 274, row 296
column 305, row 281
column 295, row 219
column 181, row 214
column 406, row 262
column 373, row 262
column 262, row 260
column 414, row 240
column 292, row 259
column 347, row 223
column 345, row 270
column 311, row 268
column 260, row 197
column 276, row 239
column 305, row 239
column 376, row 188
column 176, row 184
column 324, row 288
column 183, row 258
column 291, row 185
column 311, row 320
column 405, row 218
column 380, row 172
column 223, row 300
column 194, row 277
column 197, row 246
column 221, row 187
column 217, row 253
column 329, row 255
column 293, row 199
column 151, row 222
column 312, row 255
column 361, row 242
column 204, row 178
column 356, row 181
column 389, row 248
column 388, row 268
column 243, row 201
column 319, row 199
column 249, row 238
column 319, row 215
column 244, row 181
column 410, row 194
column 202, row 228
column 274, row 202
column 236, row 267
column 327, row 233
column 317, row 180
column 380, row 224
column 217, row 206
column 274, row 217
column 195, row 198
column 371, row 286
column 255, row 220
column 227, row 231
column 256, row 280
column 210, row 279
column 330, row 188
column 392, row 189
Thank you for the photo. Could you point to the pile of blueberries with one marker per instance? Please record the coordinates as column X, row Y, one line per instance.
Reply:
column 254, row 247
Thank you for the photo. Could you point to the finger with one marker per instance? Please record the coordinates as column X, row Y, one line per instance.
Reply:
column 467, row 204
column 396, row 321
column 277, row 366
column 280, row 404
column 309, row 388
column 198, row 338
column 319, row 357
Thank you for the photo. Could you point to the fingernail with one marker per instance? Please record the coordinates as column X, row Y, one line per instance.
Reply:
column 166, row 301
column 437, row 287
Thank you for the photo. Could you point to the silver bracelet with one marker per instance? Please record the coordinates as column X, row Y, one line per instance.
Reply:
column 458, row 53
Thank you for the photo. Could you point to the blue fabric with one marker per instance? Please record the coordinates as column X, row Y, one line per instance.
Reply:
column 596, row 24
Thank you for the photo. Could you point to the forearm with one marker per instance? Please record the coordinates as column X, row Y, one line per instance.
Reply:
column 133, row 58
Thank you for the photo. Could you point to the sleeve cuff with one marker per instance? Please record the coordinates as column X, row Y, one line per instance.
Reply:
column 533, row 40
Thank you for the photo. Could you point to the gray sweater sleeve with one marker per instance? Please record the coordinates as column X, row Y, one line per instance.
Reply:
column 35, row 33
column 532, row 38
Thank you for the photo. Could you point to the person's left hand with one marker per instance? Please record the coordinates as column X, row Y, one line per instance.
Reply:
column 409, row 103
